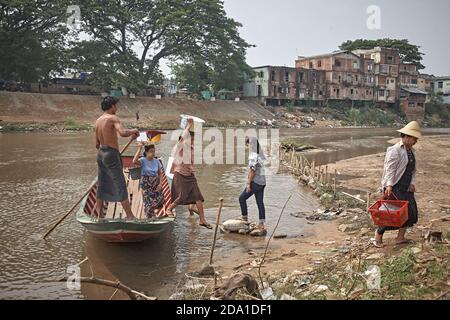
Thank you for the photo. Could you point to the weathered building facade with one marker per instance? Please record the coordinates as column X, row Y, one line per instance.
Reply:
column 374, row 75
column 343, row 74
column 275, row 85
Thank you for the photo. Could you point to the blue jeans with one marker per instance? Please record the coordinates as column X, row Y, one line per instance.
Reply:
column 258, row 191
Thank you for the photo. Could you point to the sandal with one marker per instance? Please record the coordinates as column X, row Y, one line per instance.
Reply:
column 207, row 226
column 376, row 243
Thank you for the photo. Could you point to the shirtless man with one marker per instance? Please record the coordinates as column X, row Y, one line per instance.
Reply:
column 111, row 181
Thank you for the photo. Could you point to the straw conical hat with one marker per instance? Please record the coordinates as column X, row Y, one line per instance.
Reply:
column 412, row 129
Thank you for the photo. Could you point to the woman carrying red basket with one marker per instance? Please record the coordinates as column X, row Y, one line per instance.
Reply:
column 399, row 178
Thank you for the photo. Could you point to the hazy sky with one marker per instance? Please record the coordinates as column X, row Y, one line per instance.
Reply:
column 284, row 29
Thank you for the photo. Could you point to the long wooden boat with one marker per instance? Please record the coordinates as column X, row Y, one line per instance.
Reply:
column 114, row 227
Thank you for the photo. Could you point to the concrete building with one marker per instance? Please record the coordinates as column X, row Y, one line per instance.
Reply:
column 412, row 102
column 386, row 72
column 276, row 85
column 344, row 77
column 441, row 85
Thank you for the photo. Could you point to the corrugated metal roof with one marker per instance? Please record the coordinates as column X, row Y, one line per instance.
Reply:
column 414, row 90
column 327, row 55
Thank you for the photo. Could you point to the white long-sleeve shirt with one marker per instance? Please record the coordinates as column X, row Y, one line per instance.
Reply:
column 395, row 164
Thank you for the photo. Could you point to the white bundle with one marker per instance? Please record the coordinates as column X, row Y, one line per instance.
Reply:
column 389, row 207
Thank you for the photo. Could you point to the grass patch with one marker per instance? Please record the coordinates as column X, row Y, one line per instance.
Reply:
column 73, row 125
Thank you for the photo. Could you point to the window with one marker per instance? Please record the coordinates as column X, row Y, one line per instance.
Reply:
column 286, row 76
column 311, row 65
column 381, row 93
column 369, row 67
column 273, row 75
column 351, row 91
column 300, row 76
column 339, row 79
column 337, row 63
column 261, row 74
column 420, row 104
column 440, row 84
column 383, row 68
column 390, row 59
column 411, row 105
column 413, row 81
column 320, row 93
column 319, row 63
column 355, row 65
column 356, row 78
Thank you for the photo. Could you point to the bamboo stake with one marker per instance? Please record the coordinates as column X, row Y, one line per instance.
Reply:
column 335, row 181
column 313, row 170
column 368, row 200
column 215, row 231
column 326, row 175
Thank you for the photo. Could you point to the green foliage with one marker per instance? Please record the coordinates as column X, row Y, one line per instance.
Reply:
column 32, row 39
column 195, row 77
column 437, row 113
column 290, row 106
column 73, row 125
column 183, row 32
column 408, row 52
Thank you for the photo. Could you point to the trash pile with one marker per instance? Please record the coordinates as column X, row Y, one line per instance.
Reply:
column 290, row 120
column 282, row 120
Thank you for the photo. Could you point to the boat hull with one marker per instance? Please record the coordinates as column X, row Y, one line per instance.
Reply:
column 115, row 229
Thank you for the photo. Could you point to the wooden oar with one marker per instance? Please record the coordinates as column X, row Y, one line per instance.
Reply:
column 78, row 202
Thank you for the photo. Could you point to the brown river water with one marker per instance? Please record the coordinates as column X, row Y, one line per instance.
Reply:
column 43, row 174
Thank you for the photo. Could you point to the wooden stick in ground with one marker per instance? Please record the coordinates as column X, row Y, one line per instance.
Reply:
column 268, row 242
column 313, row 170
column 368, row 200
column 326, row 175
column 215, row 231
column 335, row 176
column 57, row 223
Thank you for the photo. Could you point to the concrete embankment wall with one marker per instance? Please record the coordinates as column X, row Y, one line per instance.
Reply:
column 33, row 107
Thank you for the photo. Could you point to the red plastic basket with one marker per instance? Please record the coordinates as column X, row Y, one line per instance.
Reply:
column 389, row 218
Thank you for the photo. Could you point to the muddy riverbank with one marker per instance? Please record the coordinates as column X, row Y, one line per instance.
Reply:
column 337, row 260
column 43, row 174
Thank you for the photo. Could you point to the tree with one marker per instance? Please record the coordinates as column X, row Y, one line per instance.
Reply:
column 195, row 76
column 409, row 53
column 139, row 33
column 32, row 38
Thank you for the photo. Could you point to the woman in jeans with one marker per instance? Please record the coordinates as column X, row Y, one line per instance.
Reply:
column 399, row 180
column 256, row 182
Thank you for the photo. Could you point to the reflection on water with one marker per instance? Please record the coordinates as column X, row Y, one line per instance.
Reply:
column 42, row 175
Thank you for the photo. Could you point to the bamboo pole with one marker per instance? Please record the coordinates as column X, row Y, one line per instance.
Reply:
column 313, row 170
column 215, row 231
column 335, row 180
column 326, row 175
column 368, row 200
